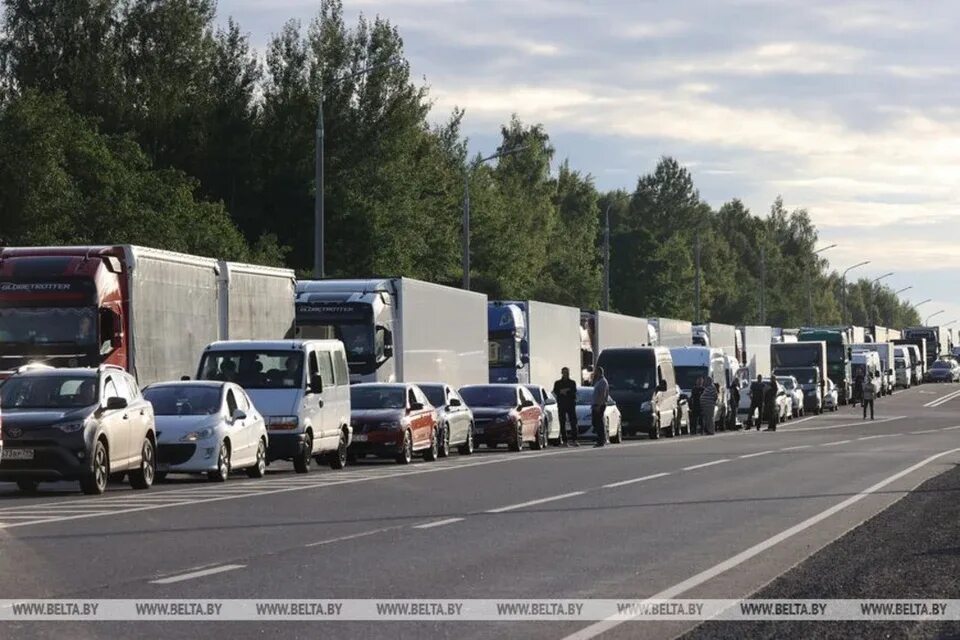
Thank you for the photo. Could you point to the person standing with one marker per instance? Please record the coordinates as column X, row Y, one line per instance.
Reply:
column 858, row 390
column 756, row 402
column 695, row 393
column 601, row 391
column 565, row 390
column 734, row 403
column 708, row 405
column 773, row 392
column 867, row 394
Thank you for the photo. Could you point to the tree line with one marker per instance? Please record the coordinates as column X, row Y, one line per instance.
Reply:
column 143, row 121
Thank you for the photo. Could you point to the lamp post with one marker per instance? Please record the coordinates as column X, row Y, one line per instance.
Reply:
column 899, row 291
column 606, row 249
column 872, row 284
column 843, row 280
column 809, row 292
column 319, row 220
column 936, row 313
column 465, row 260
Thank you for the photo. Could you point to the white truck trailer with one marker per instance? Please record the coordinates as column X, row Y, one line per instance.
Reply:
column 531, row 341
column 673, row 333
column 399, row 329
column 720, row 336
column 604, row 330
column 757, row 341
column 255, row 302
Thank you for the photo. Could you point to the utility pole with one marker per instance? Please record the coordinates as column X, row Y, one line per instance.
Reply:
column 606, row 258
column 696, row 282
column 809, row 291
column 763, row 285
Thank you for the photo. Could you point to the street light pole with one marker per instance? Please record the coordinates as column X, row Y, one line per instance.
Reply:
column 809, row 292
column 932, row 315
column 872, row 284
column 319, row 220
column 465, row 260
column 844, row 284
column 606, row 249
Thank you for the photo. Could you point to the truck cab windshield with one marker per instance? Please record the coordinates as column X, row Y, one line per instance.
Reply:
column 63, row 325
column 502, row 351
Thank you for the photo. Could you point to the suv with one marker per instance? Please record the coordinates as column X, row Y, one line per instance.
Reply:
column 76, row 424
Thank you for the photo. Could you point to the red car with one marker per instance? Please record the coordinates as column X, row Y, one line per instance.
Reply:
column 392, row 421
column 505, row 413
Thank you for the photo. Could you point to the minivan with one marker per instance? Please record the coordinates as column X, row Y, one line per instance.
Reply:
column 690, row 363
column 643, row 384
column 302, row 388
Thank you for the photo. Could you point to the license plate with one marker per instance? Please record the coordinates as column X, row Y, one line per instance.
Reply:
column 17, row 454
column 361, row 437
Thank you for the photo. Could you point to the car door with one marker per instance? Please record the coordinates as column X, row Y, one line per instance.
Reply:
column 140, row 410
column 235, row 429
column 116, row 425
column 550, row 411
column 458, row 416
column 529, row 415
column 340, row 413
column 313, row 405
column 419, row 423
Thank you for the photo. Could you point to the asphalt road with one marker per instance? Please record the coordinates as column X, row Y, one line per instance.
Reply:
column 713, row 517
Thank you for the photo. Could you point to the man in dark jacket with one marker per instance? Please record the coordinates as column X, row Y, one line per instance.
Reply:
column 565, row 390
column 756, row 402
column 772, row 392
column 734, row 403
column 694, row 406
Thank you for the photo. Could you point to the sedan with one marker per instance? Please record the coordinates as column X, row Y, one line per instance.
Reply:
column 611, row 417
column 392, row 420
column 505, row 414
column 207, row 427
column 943, row 371
column 454, row 417
column 794, row 392
column 551, row 412
column 783, row 405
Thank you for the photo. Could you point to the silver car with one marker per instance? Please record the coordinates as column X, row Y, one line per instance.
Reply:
column 454, row 417
column 551, row 412
column 794, row 392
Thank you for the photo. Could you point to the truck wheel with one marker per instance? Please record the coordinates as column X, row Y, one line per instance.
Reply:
column 142, row 477
column 259, row 468
column 433, row 452
column 406, row 450
column 444, row 449
column 338, row 458
column 301, row 464
column 467, row 447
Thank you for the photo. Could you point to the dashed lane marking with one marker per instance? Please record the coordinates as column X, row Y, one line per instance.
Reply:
column 198, row 574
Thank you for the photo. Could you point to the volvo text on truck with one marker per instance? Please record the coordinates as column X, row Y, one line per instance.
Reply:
column 399, row 329
column 604, row 330
column 529, row 341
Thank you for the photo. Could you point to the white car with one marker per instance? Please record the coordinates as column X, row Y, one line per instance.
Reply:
column 831, row 398
column 794, row 392
column 207, row 427
column 611, row 416
column 551, row 412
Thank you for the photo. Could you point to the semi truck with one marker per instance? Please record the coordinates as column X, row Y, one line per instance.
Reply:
column 146, row 310
column 838, row 357
column 604, row 330
column 933, row 339
column 398, row 329
column 672, row 333
column 720, row 336
column 530, row 341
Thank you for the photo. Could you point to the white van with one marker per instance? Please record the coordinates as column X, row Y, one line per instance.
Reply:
column 903, row 367
column 690, row 363
column 302, row 388
column 867, row 364
column 643, row 385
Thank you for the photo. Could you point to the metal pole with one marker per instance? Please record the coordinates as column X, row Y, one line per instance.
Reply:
column 763, row 285
column 466, row 230
column 809, row 285
column 606, row 258
column 696, row 282
column 318, row 212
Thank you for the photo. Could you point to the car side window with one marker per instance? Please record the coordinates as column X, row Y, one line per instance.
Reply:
column 326, row 367
column 242, row 402
column 421, row 396
column 231, row 403
column 411, row 397
column 340, row 368
column 314, row 367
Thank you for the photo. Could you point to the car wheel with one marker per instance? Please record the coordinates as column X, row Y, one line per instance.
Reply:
column 433, row 452
column 444, row 449
column 94, row 481
column 540, row 437
column 301, row 464
column 259, row 468
column 467, row 447
column 222, row 474
column 517, row 443
column 142, row 477
column 338, row 458
column 654, row 432
column 27, row 485
column 617, row 439
column 406, row 450
column 672, row 428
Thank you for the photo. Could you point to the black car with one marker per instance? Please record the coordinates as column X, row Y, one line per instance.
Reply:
column 76, row 424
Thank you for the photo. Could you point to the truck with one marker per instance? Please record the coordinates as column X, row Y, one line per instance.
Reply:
column 146, row 310
column 932, row 338
column 757, row 341
column 721, row 336
column 672, row 333
column 885, row 350
column 398, row 329
column 530, row 341
column 795, row 359
column 920, row 345
column 604, row 330
column 838, row 356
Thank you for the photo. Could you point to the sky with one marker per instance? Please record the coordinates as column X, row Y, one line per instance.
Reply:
column 848, row 109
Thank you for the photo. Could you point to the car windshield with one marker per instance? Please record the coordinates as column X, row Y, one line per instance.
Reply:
column 687, row 376
column 254, row 369
column 378, row 397
column 184, row 400
column 489, row 396
column 434, row 394
column 836, row 352
column 501, row 352
column 585, row 396
column 66, row 325
column 629, row 371
column 49, row 392
column 900, row 363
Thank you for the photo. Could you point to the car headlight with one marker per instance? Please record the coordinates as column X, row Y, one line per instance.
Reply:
column 70, row 427
column 201, row 434
column 280, row 423
column 646, row 406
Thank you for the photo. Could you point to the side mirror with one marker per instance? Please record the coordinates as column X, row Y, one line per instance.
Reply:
column 416, row 406
column 662, row 386
column 316, row 383
column 388, row 351
column 239, row 414
column 116, row 403
column 524, row 359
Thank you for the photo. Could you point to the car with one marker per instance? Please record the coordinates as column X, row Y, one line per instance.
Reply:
column 453, row 415
column 794, row 392
column 808, row 380
column 551, row 412
column 683, row 411
column 207, row 427
column 831, row 398
column 644, row 386
column 783, row 404
column 611, row 417
column 505, row 414
column 76, row 424
column 393, row 420
column 943, row 370
column 302, row 388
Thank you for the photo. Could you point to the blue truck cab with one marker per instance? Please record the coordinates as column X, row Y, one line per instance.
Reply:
column 509, row 348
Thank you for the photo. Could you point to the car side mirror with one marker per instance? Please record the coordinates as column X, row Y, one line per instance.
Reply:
column 524, row 359
column 388, row 351
column 239, row 414
column 184, row 378
column 316, row 383
column 116, row 403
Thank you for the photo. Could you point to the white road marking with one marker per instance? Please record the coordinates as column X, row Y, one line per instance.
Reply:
column 672, row 592
column 198, row 574
column 833, row 444
column 438, row 523
column 624, row 483
column 801, row 446
column 754, row 455
column 942, row 400
column 926, row 431
column 353, row 536
column 951, row 428
column 841, row 426
column 531, row 503
column 706, row 464
column 882, row 435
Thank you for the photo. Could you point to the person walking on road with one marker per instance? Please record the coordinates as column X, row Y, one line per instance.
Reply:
column 695, row 393
column 565, row 391
column 756, row 402
column 708, row 405
column 601, row 391
column 867, row 394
